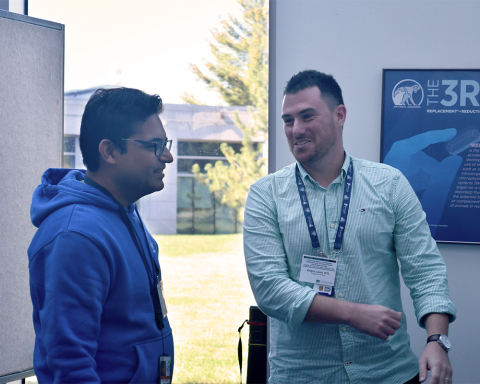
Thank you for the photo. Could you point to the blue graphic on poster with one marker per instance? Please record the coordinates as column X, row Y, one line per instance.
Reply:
column 431, row 133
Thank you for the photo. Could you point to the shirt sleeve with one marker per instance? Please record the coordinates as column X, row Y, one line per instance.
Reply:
column 423, row 268
column 70, row 278
column 277, row 295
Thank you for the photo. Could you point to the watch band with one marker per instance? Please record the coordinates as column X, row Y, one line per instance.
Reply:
column 437, row 338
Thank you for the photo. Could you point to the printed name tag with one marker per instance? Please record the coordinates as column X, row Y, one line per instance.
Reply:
column 319, row 271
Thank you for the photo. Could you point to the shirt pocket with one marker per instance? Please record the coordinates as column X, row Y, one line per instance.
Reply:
column 371, row 227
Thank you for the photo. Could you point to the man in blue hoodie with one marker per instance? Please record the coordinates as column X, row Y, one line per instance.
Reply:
column 95, row 280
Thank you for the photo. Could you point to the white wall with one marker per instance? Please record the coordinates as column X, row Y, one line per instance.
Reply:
column 354, row 41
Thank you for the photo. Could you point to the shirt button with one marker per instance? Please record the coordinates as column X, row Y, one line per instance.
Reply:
column 340, row 294
column 329, row 192
column 344, row 329
column 348, row 362
column 332, row 225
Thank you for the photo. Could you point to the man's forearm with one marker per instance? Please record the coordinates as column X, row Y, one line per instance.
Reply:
column 436, row 323
column 374, row 320
column 328, row 310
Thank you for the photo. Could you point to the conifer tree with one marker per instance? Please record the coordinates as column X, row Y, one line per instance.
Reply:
column 239, row 74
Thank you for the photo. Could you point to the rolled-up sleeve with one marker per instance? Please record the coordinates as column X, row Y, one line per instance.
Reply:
column 423, row 268
column 277, row 294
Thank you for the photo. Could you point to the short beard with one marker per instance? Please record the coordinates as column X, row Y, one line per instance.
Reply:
column 317, row 155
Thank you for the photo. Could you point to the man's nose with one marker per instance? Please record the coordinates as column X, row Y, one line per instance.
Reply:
column 166, row 156
column 298, row 128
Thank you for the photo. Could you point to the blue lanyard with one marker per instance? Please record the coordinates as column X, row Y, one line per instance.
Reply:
column 145, row 243
column 343, row 213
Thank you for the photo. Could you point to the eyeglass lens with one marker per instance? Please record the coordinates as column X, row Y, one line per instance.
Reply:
column 160, row 146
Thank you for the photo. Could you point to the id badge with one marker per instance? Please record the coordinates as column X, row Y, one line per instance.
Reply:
column 161, row 298
column 320, row 271
column 165, row 369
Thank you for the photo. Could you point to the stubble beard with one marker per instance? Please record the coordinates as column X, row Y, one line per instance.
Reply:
column 319, row 153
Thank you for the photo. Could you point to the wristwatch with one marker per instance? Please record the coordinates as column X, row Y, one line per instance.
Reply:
column 443, row 340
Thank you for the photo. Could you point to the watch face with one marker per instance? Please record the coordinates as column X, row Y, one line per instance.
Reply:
column 445, row 341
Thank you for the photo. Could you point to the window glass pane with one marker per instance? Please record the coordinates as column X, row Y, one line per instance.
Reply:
column 185, row 205
column 193, row 148
column 202, row 197
column 68, row 161
column 199, row 212
column 225, row 219
column 69, row 144
column 185, row 165
column 203, row 222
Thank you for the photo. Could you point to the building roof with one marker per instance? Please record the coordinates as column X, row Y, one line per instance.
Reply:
column 188, row 121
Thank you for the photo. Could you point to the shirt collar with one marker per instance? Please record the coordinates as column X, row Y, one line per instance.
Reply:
column 305, row 175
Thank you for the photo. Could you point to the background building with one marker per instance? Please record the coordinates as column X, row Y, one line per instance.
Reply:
column 185, row 206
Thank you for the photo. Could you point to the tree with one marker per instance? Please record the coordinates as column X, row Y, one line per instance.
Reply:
column 239, row 73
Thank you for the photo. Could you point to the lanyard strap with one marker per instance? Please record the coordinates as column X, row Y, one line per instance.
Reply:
column 343, row 213
column 134, row 236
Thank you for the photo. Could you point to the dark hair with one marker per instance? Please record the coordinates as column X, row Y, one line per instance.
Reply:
column 113, row 114
column 328, row 86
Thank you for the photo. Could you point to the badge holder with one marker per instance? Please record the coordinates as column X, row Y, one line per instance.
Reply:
column 165, row 369
column 326, row 290
column 319, row 271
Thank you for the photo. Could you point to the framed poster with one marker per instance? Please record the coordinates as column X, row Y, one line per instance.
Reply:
column 431, row 133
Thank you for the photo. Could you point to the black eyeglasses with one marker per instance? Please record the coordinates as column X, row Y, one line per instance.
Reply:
column 157, row 145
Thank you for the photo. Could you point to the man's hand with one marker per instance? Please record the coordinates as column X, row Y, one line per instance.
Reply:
column 435, row 359
column 375, row 320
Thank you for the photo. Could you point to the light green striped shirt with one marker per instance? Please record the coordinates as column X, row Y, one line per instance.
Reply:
column 386, row 227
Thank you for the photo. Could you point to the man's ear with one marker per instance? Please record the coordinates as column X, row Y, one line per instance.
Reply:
column 108, row 152
column 340, row 115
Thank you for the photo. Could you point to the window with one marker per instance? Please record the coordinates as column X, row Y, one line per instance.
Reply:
column 198, row 210
column 69, row 152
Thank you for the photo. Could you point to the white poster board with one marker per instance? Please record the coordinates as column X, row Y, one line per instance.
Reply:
column 31, row 135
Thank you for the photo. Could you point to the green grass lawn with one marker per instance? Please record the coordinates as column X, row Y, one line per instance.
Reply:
column 208, row 298
column 190, row 245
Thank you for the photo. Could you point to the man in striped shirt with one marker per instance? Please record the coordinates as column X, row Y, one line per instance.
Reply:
column 351, row 221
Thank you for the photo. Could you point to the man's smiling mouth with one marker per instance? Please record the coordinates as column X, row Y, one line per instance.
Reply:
column 302, row 142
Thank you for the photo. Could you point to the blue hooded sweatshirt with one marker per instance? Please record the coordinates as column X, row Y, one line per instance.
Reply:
column 93, row 313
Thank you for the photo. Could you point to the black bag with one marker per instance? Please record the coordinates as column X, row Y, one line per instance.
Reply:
column 257, row 347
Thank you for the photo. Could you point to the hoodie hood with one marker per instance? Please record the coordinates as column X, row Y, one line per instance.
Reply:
column 61, row 187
